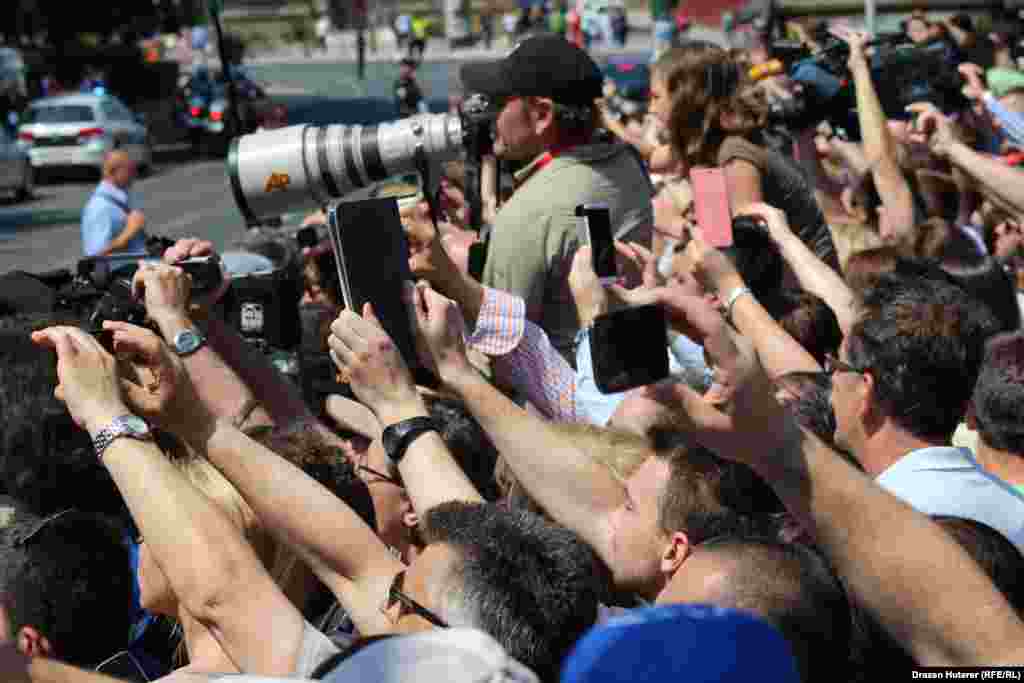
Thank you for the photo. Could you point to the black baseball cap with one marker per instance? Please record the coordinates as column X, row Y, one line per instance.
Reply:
column 543, row 66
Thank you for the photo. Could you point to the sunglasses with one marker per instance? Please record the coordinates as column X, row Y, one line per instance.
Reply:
column 396, row 596
column 834, row 365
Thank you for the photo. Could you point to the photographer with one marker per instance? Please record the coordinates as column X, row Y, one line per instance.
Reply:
column 545, row 92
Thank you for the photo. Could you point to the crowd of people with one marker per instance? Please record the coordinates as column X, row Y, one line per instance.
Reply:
column 829, row 484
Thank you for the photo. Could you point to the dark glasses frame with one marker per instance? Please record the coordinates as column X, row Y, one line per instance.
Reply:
column 380, row 475
column 396, row 596
column 834, row 365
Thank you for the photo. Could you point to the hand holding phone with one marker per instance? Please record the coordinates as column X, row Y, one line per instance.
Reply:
column 711, row 205
column 598, row 220
column 629, row 348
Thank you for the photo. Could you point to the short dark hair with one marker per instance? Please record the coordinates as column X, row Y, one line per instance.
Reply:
column 988, row 281
column 811, row 405
column 998, row 397
column 706, row 495
column 46, row 461
column 532, row 585
column 791, row 586
column 807, row 319
column 468, row 443
column 922, row 338
column 71, row 580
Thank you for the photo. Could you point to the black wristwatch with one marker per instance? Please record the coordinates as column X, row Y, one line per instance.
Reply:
column 397, row 438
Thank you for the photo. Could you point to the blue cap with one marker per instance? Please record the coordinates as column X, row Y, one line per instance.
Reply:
column 694, row 643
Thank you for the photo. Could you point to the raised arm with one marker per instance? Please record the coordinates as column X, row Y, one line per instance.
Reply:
column 812, row 274
column 880, row 148
column 327, row 535
column 381, row 380
column 905, row 579
column 565, row 481
column 998, row 180
column 215, row 574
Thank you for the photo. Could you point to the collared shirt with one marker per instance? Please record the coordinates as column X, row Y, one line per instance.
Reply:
column 524, row 359
column 104, row 218
column 1011, row 122
column 944, row 480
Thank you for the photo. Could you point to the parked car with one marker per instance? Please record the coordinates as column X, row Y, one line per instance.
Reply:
column 16, row 172
column 79, row 130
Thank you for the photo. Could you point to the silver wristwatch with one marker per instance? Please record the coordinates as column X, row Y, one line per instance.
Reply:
column 188, row 342
column 130, row 426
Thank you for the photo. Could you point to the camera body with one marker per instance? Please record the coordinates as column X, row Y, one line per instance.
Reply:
column 299, row 167
column 902, row 72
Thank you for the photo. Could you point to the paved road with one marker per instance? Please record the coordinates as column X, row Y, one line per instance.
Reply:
column 185, row 196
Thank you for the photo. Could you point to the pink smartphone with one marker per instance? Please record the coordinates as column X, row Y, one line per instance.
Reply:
column 711, row 205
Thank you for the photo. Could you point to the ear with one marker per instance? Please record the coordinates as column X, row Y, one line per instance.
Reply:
column 675, row 552
column 970, row 417
column 32, row 643
column 850, row 205
column 409, row 517
column 867, row 410
column 542, row 114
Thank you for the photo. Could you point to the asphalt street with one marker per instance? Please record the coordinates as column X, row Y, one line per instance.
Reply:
column 185, row 195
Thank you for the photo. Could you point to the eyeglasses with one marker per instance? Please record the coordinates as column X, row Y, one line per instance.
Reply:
column 396, row 596
column 834, row 365
column 380, row 475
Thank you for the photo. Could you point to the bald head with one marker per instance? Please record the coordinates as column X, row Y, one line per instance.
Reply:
column 119, row 169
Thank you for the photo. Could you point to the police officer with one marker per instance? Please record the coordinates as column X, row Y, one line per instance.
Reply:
column 408, row 95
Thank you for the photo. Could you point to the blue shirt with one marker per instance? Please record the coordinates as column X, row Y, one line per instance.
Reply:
column 947, row 481
column 104, row 218
column 685, row 362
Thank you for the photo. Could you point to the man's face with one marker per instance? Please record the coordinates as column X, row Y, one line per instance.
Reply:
column 918, row 31
column 845, row 386
column 516, row 137
column 1009, row 240
column 637, row 541
column 124, row 174
column 426, row 581
column 390, row 501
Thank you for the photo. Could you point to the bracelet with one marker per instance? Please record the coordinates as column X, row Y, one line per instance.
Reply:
column 730, row 301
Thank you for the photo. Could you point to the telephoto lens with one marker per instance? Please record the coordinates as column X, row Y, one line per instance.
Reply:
column 302, row 167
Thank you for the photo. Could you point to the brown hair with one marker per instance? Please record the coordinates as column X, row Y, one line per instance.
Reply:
column 864, row 267
column 695, row 123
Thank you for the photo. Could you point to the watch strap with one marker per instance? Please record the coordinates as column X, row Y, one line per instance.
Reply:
column 398, row 437
column 114, row 431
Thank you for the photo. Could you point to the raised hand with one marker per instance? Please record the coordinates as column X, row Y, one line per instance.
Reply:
column 89, row 384
column 369, row 360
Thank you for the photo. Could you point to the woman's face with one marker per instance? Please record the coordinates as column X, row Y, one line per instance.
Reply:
column 661, row 103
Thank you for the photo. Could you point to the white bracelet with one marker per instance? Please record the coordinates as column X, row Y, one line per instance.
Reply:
column 730, row 300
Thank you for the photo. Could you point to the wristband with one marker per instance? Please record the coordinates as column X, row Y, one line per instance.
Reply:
column 730, row 301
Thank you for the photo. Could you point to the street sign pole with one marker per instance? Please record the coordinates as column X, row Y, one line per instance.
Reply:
column 216, row 6
column 869, row 16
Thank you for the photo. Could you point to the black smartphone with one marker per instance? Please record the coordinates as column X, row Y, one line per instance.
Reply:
column 598, row 219
column 629, row 348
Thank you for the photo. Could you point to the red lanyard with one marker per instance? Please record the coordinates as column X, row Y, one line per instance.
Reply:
column 545, row 159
